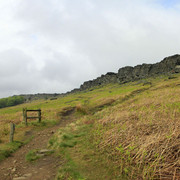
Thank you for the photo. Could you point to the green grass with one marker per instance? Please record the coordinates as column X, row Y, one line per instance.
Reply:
column 68, row 139
column 35, row 154
column 8, row 149
column 32, row 156
column 76, row 155
column 69, row 170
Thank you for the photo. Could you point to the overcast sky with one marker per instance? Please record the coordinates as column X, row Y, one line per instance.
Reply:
column 53, row 46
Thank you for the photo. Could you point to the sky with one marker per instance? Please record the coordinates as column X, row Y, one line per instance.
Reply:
column 53, row 46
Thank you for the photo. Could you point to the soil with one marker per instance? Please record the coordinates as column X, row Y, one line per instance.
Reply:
column 16, row 167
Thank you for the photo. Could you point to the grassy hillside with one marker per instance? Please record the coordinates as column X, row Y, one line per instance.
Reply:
column 129, row 131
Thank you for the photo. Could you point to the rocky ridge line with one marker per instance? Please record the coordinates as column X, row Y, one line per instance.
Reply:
column 168, row 65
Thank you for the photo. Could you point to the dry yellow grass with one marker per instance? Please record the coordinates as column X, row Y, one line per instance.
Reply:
column 142, row 135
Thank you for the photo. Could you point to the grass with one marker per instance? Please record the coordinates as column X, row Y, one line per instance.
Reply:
column 35, row 154
column 32, row 156
column 67, row 138
column 128, row 131
column 8, row 149
column 137, row 134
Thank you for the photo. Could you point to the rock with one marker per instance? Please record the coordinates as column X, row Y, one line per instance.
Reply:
column 14, row 161
column 172, row 77
column 28, row 175
column 147, row 83
column 32, row 97
column 13, row 170
column 19, row 178
column 44, row 151
column 177, row 69
column 7, row 174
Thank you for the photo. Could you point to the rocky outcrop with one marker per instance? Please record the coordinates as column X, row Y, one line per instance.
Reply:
column 104, row 79
column 32, row 97
column 168, row 65
column 127, row 74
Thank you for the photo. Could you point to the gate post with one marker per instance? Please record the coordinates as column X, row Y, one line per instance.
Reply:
column 25, row 116
column 39, row 114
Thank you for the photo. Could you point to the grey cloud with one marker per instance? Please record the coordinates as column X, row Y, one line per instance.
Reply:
column 16, row 74
column 13, row 62
column 71, row 70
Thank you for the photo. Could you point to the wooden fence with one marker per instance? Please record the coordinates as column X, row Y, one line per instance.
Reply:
column 26, row 117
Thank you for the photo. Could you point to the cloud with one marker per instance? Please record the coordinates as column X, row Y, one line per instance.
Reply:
column 62, row 43
column 16, row 72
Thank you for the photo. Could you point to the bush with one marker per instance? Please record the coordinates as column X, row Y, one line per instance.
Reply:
column 11, row 101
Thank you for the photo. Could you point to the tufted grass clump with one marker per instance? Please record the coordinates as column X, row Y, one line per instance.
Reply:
column 32, row 155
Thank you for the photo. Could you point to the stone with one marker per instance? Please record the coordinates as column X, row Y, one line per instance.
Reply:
column 19, row 178
column 28, row 175
column 44, row 151
column 13, row 170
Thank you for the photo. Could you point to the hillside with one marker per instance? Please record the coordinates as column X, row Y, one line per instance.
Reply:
column 113, row 131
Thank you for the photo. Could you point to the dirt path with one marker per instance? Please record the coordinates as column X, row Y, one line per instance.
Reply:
column 45, row 168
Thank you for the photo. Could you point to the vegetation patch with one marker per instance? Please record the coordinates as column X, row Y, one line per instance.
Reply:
column 32, row 155
column 8, row 149
column 35, row 154
column 11, row 101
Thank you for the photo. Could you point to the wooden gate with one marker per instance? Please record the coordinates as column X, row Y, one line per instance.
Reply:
column 25, row 115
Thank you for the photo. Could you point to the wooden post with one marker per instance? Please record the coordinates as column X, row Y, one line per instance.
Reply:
column 25, row 116
column 39, row 114
column 12, row 129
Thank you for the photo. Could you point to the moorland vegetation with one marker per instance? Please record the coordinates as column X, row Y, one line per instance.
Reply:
column 120, row 131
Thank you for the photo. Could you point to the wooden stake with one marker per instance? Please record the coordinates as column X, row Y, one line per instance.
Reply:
column 25, row 116
column 12, row 129
column 39, row 114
